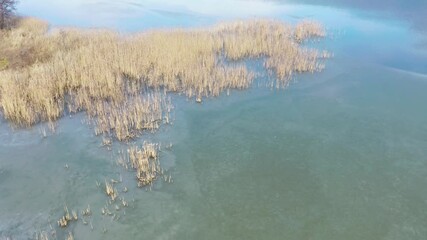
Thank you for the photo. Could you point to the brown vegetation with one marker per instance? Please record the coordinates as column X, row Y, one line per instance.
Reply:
column 67, row 217
column 121, row 81
column 144, row 160
column 308, row 29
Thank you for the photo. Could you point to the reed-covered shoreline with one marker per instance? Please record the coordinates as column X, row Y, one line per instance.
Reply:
column 122, row 80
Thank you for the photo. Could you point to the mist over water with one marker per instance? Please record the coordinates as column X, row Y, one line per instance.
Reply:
column 340, row 154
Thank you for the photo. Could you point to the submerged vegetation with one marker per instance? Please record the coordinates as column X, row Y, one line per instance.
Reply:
column 122, row 81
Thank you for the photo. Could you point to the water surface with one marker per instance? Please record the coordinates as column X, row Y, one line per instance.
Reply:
column 338, row 155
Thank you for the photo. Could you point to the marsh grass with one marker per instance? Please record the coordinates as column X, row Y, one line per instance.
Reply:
column 144, row 160
column 110, row 190
column 122, row 81
column 64, row 221
column 308, row 29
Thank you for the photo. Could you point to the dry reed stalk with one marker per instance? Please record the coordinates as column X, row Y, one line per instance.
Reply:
column 70, row 236
column 67, row 217
column 87, row 211
column 110, row 191
column 145, row 161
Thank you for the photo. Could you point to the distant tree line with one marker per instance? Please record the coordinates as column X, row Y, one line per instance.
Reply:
column 7, row 12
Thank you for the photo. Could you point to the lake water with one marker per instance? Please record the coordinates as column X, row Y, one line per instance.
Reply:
column 338, row 155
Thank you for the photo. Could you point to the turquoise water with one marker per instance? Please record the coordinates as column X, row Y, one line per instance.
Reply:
column 338, row 155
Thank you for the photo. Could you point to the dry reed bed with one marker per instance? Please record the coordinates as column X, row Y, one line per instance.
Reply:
column 121, row 81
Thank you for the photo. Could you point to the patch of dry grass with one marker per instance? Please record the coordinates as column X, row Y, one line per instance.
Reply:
column 121, row 81
column 26, row 44
column 144, row 160
column 308, row 29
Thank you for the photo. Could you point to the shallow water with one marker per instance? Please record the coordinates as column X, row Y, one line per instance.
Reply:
column 338, row 155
